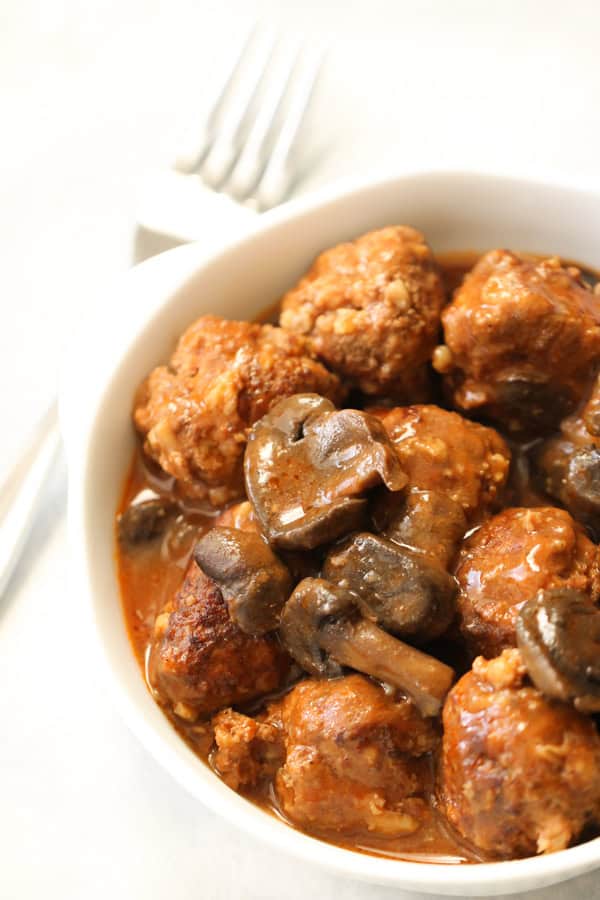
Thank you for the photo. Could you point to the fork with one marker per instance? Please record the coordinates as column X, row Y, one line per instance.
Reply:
column 242, row 158
column 242, row 163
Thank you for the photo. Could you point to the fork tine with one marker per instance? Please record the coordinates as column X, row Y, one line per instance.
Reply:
column 223, row 152
column 277, row 177
column 188, row 161
column 252, row 159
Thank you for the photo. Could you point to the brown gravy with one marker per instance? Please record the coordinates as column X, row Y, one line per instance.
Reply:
column 152, row 572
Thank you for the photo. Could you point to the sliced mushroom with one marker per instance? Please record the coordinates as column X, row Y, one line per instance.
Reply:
column 321, row 629
column 255, row 584
column 403, row 590
column 572, row 475
column 532, row 401
column 312, row 605
column 428, row 521
column 558, row 634
column 308, row 467
column 583, row 478
column 145, row 518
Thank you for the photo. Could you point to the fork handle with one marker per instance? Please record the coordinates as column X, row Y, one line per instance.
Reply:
column 181, row 206
column 22, row 489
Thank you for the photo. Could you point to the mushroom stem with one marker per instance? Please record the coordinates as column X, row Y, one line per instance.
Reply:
column 363, row 646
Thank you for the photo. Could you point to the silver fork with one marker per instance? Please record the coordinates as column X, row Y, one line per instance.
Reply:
column 242, row 159
column 242, row 163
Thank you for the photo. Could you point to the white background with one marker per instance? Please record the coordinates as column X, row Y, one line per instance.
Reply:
column 91, row 93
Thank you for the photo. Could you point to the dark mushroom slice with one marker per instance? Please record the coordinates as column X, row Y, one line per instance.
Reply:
column 558, row 634
column 254, row 583
column 308, row 466
column 145, row 518
column 428, row 521
column 520, row 399
column 312, row 605
column 402, row 590
column 571, row 474
column 300, row 564
column 321, row 629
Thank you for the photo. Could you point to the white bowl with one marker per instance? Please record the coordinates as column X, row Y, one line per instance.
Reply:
column 150, row 307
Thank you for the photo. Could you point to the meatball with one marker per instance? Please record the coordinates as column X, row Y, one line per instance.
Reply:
column 443, row 452
column 201, row 661
column 248, row 750
column 195, row 412
column 371, row 309
column 522, row 340
column 354, row 759
column 240, row 516
column 510, row 558
column 519, row 774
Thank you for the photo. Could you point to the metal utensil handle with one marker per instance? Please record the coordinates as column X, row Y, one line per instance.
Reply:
column 21, row 491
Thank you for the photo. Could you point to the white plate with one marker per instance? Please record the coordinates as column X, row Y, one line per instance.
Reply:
column 146, row 312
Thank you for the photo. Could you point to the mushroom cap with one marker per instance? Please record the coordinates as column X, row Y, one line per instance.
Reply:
column 307, row 468
column 558, row 634
column 405, row 591
column 313, row 602
column 583, row 478
column 145, row 518
column 429, row 521
column 322, row 630
column 254, row 583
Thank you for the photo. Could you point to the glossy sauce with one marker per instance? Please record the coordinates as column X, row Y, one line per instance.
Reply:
column 151, row 572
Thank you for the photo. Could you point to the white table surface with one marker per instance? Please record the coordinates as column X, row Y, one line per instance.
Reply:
column 91, row 93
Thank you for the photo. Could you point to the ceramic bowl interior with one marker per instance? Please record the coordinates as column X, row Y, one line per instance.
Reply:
column 138, row 324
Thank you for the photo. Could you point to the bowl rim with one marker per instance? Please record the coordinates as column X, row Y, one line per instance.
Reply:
column 173, row 267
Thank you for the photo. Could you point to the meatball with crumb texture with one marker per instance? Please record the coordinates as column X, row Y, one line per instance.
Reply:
column 194, row 413
column 200, row 660
column 519, row 774
column 443, row 452
column 346, row 756
column 508, row 560
column 371, row 310
column 355, row 758
column 241, row 516
column 247, row 750
column 522, row 341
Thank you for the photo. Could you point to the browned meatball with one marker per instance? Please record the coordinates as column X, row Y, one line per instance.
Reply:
column 201, row 661
column 248, row 750
column 522, row 340
column 443, row 452
column 195, row 412
column 354, row 759
column 508, row 560
column 240, row 516
column 371, row 309
column 519, row 774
